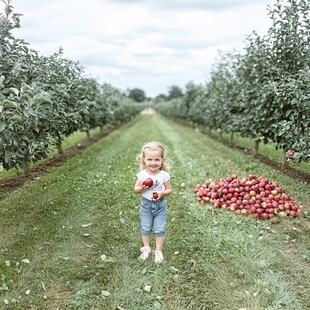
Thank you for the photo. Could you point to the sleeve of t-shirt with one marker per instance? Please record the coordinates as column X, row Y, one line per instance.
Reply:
column 141, row 175
column 166, row 176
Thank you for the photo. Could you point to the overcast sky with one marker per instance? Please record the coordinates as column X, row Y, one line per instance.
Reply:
column 150, row 45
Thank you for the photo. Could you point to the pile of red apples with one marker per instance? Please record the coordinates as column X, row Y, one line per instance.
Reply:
column 253, row 196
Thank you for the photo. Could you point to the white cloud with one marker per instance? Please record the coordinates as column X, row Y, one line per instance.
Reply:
column 146, row 44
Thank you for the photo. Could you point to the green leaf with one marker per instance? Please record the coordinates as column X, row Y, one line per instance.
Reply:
column 15, row 91
column 16, row 117
column 7, row 104
column 2, row 126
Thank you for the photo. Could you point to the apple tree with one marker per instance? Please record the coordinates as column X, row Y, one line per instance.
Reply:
column 290, row 57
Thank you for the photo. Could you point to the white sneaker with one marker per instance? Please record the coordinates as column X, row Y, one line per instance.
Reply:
column 145, row 252
column 158, row 257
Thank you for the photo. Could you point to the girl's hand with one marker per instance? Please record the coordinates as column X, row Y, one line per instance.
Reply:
column 158, row 195
column 142, row 188
column 139, row 187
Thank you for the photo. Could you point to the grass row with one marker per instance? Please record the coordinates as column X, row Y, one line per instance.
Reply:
column 71, row 240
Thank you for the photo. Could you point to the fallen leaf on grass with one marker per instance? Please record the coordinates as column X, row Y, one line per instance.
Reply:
column 105, row 294
column 148, row 288
column 26, row 261
column 87, row 225
column 104, row 258
column 174, row 269
column 156, row 305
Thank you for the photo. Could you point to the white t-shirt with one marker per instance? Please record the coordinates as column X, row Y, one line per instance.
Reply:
column 158, row 182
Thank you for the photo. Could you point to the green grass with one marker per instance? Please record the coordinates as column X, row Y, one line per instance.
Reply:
column 79, row 228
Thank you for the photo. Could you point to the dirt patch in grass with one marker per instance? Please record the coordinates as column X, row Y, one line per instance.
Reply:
column 12, row 183
column 57, row 297
column 83, row 252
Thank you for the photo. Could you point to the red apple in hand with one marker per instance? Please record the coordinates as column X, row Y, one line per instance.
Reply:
column 155, row 195
column 148, row 182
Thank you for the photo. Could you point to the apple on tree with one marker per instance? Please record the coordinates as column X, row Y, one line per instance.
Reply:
column 290, row 153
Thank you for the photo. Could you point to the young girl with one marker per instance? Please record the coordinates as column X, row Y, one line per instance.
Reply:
column 153, row 213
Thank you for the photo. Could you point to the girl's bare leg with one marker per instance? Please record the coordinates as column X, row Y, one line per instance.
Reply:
column 146, row 240
column 160, row 243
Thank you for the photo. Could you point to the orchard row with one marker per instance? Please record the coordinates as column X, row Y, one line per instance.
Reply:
column 45, row 99
column 261, row 93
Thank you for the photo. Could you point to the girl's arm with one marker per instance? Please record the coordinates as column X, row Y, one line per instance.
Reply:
column 167, row 190
column 139, row 187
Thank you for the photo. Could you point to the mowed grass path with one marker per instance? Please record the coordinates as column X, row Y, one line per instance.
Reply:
column 71, row 239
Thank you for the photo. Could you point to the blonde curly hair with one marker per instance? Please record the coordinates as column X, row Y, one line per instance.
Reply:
column 154, row 145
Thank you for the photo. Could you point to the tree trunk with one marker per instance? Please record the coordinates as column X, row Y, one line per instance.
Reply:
column 59, row 148
column 255, row 147
column 27, row 168
column 24, row 170
column 221, row 135
column 284, row 163
column 231, row 139
column 101, row 129
column 88, row 134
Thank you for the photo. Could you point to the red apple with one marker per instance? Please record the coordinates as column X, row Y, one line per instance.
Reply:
column 155, row 196
column 253, row 209
column 294, row 208
column 290, row 153
column 148, row 182
column 264, row 215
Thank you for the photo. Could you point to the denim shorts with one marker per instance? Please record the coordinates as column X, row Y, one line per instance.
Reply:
column 153, row 215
